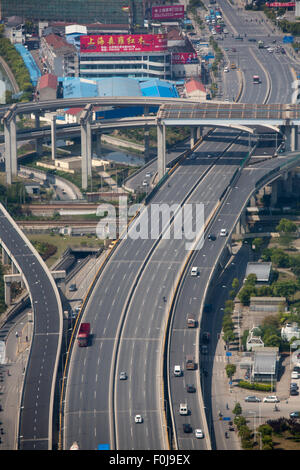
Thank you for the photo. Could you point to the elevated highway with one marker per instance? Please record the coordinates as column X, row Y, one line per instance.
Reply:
column 36, row 407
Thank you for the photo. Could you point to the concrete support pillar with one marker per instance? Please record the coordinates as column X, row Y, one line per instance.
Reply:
column 274, row 193
column 161, row 150
column 39, row 142
column 10, row 140
column 98, row 143
column 294, row 138
column 7, row 140
column 7, row 293
column 193, row 137
column 288, row 140
column 5, row 257
column 84, row 163
column 53, row 137
column 86, row 144
column 146, row 136
column 13, row 140
column 146, row 143
column 14, row 269
column 288, row 183
column 89, row 147
column 199, row 132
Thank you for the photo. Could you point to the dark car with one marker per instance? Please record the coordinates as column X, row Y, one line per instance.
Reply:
column 294, row 391
column 296, row 369
column 187, row 428
column 233, row 49
column 190, row 388
column 252, row 40
column 294, row 385
column 211, row 237
column 239, row 38
column 295, row 414
column 205, row 337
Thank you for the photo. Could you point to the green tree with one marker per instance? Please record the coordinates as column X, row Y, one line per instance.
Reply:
column 286, row 226
column 237, row 411
column 235, row 284
column 230, row 370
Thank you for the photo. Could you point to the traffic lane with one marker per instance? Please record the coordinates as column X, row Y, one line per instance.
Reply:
column 183, row 344
column 213, row 383
column 139, row 358
column 280, row 75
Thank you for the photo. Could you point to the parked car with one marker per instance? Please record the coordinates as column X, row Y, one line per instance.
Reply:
column 252, row 398
column 271, row 399
column 294, row 385
column 295, row 414
column 295, row 375
column 294, row 391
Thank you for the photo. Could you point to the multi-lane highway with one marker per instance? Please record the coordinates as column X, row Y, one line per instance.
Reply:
column 141, row 334
column 129, row 306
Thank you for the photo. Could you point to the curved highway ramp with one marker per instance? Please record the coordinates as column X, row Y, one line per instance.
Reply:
column 36, row 409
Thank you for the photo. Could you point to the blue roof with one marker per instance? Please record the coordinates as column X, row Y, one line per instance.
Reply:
column 118, row 86
column 79, row 88
column 33, row 69
column 156, row 87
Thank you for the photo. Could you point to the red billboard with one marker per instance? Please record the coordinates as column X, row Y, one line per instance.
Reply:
column 123, row 43
column 184, row 58
column 280, row 5
column 167, row 12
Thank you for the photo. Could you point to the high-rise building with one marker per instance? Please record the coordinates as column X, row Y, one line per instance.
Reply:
column 79, row 11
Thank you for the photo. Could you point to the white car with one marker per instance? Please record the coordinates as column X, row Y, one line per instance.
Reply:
column 138, row 418
column 194, row 271
column 177, row 371
column 271, row 399
column 145, row 183
column 295, row 375
column 199, row 433
column 226, row 69
column 223, row 232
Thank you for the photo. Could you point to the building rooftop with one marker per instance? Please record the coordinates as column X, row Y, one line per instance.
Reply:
column 261, row 270
column 48, row 81
column 58, row 43
column 193, row 85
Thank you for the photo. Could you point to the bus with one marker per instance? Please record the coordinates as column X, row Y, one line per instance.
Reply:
column 256, row 79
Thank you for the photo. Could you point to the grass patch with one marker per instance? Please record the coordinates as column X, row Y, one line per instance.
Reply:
column 64, row 242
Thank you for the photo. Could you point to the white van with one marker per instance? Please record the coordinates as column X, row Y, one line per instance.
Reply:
column 183, row 409
column 194, row 271
column 177, row 371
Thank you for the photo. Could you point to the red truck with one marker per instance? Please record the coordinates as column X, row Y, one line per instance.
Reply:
column 83, row 334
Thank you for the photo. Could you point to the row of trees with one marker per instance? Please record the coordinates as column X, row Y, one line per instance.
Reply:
column 17, row 66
